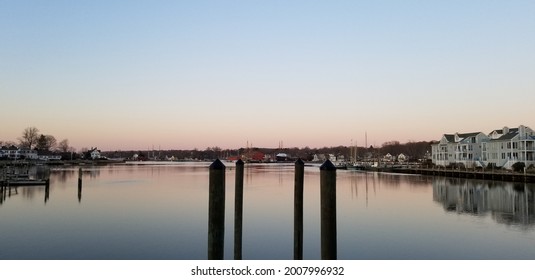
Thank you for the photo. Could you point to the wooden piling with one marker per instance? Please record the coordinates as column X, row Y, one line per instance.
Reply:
column 216, row 211
column 238, row 211
column 79, row 184
column 47, row 190
column 328, row 211
column 298, row 209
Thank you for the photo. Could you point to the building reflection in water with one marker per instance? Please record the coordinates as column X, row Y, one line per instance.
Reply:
column 507, row 202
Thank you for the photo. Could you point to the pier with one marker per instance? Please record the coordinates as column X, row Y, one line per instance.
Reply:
column 508, row 176
column 14, row 177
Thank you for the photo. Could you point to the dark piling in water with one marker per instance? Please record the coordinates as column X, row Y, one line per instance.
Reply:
column 47, row 190
column 80, row 184
column 328, row 211
column 298, row 209
column 216, row 211
column 238, row 211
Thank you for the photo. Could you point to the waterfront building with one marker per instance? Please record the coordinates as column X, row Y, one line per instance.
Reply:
column 282, row 157
column 94, row 153
column 500, row 148
column 14, row 153
column 508, row 146
column 388, row 157
column 459, row 148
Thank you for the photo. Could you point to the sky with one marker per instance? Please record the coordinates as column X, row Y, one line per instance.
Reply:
column 127, row 75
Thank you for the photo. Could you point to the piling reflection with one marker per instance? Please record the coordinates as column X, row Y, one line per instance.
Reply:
column 507, row 202
column 7, row 192
column 26, row 192
column 47, row 193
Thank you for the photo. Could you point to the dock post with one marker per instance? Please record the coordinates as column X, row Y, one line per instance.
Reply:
column 298, row 209
column 80, row 184
column 47, row 190
column 328, row 211
column 216, row 211
column 238, row 211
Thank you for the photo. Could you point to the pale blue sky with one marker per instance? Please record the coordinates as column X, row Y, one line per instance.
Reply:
column 193, row 74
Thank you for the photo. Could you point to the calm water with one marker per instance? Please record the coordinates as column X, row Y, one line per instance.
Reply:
column 161, row 212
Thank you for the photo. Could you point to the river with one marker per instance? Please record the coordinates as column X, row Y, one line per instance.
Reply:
column 154, row 212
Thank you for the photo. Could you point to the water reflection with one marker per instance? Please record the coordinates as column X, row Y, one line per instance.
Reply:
column 26, row 192
column 367, row 184
column 507, row 202
column 161, row 212
column 63, row 175
column 7, row 192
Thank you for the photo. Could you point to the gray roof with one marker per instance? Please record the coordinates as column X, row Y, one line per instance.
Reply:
column 500, row 131
column 507, row 136
column 451, row 137
column 466, row 135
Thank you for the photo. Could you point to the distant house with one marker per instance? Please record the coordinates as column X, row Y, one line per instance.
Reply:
column 281, row 157
column 388, row 157
column 5, row 151
column 93, row 153
column 402, row 158
column 28, row 154
column 172, row 158
column 332, row 157
column 14, row 153
column 267, row 158
column 318, row 158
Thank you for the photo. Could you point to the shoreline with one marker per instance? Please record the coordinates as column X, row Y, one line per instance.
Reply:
column 507, row 176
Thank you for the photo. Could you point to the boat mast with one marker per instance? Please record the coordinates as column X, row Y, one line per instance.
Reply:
column 356, row 146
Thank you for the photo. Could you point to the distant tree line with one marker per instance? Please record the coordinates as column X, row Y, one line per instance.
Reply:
column 414, row 150
column 32, row 139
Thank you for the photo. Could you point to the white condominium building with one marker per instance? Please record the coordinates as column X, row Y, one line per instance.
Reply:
column 501, row 148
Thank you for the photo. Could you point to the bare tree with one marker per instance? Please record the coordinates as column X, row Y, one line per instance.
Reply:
column 7, row 143
column 63, row 146
column 46, row 143
column 29, row 138
column 52, row 142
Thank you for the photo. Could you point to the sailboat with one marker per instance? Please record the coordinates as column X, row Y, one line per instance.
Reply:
column 353, row 165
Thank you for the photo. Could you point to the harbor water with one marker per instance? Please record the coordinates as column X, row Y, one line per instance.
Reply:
column 156, row 211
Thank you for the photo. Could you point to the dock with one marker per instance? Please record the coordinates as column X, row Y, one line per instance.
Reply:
column 469, row 174
column 23, row 182
column 15, row 178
